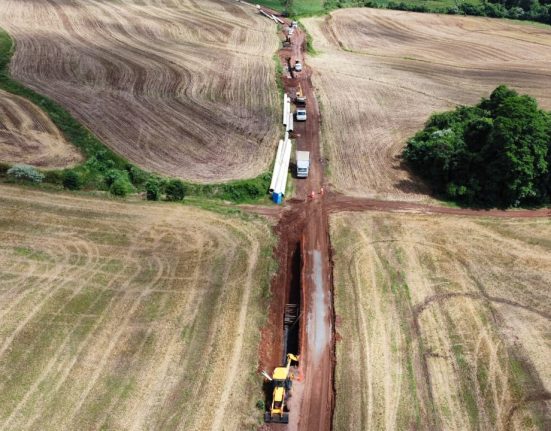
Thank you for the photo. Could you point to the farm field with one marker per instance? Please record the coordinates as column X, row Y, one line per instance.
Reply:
column 127, row 315
column 27, row 135
column 442, row 322
column 380, row 74
column 185, row 88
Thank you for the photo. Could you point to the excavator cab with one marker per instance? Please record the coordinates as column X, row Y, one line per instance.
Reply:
column 282, row 382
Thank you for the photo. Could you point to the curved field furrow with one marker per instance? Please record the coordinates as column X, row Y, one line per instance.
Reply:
column 381, row 73
column 127, row 316
column 454, row 316
column 185, row 89
column 28, row 136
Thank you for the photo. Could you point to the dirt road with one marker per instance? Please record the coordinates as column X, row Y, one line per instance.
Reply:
column 304, row 254
column 303, row 234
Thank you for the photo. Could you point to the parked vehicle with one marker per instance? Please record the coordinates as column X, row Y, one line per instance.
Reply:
column 303, row 163
column 298, row 66
column 300, row 98
column 300, row 114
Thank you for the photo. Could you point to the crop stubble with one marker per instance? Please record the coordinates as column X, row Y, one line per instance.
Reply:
column 27, row 135
column 443, row 322
column 126, row 316
column 381, row 73
column 182, row 88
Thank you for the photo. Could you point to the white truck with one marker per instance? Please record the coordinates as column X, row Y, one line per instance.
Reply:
column 303, row 164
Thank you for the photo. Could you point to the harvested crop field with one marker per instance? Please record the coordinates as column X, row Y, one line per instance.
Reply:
column 443, row 322
column 381, row 73
column 27, row 135
column 181, row 88
column 128, row 316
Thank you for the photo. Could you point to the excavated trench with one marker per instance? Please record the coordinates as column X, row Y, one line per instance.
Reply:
column 292, row 313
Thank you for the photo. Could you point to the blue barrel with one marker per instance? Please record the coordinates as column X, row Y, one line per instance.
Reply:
column 277, row 198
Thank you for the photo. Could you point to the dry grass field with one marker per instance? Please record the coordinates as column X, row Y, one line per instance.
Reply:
column 183, row 88
column 128, row 316
column 381, row 73
column 27, row 135
column 444, row 322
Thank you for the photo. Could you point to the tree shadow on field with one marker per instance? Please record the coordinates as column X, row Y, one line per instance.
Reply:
column 412, row 184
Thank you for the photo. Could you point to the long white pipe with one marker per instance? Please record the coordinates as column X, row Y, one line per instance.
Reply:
column 284, row 169
column 290, row 122
column 265, row 14
column 277, row 165
column 285, row 115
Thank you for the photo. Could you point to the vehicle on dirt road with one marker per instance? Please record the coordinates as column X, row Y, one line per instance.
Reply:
column 298, row 66
column 303, row 164
column 282, row 381
column 300, row 114
column 300, row 99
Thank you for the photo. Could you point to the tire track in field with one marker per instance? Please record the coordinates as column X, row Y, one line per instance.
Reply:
column 234, row 363
column 122, row 326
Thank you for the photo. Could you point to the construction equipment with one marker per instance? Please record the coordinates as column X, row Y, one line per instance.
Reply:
column 300, row 98
column 282, row 381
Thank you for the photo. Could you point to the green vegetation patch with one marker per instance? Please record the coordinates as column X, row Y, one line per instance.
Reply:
column 497, row 153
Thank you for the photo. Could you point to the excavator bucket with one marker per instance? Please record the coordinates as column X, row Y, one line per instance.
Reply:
column 280, row 419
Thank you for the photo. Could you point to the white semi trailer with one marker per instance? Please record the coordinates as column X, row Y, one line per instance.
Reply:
column 303, row 164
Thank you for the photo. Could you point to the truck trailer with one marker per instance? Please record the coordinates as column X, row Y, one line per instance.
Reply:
column 303, row 164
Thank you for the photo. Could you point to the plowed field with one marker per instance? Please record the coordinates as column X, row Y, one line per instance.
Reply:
column 443, row 322
column 27, row 135
column 182, row 88
column 127, row 316
column 381, row 73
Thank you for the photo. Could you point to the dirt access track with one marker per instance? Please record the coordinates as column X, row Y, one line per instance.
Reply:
column 304, row 253
column 182, row 88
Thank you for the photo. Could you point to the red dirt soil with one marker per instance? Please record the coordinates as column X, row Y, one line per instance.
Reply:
column 305, row 219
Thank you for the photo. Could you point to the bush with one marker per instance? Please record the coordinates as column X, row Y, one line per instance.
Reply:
column 71, row 180
column 153, row 189
column 112, row 175
column 121, row 186
column 22, row 172
column 137, row 176
column 175, row 190
column 497, row 153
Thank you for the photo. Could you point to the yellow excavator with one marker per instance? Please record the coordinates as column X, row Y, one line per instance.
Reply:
column 282, row 381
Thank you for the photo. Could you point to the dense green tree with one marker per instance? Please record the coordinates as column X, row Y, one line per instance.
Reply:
column 175, row 190
column 153, row 189
column 121, row 186
column 71, row 180
column 497, row 153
